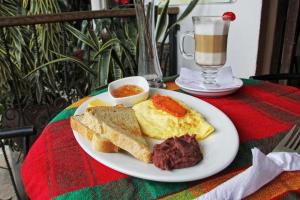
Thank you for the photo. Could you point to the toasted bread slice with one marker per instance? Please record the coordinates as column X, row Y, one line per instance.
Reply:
column 120, row 126
column 103, row 145
column 80, row 124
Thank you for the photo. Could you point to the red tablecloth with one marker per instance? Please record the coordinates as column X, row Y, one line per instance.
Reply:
column 56, row 166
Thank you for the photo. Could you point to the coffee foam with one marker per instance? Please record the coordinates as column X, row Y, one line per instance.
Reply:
column 216, row 28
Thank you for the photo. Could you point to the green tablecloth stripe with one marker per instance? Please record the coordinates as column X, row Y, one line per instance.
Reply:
column 66, row 113
column 83, row 194
column 250, row 81
column 157, row 189
column 127, row 187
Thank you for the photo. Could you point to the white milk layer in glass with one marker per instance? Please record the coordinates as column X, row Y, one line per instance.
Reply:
column 210, row 59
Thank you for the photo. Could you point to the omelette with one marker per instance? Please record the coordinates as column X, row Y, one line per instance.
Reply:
column 170, row 117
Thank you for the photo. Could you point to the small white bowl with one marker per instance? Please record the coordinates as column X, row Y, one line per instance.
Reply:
column 130, row 100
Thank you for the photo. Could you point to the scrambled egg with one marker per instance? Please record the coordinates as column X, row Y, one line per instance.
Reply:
column 159, row 124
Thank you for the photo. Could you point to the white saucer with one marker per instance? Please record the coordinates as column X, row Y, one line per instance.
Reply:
column 215, row 92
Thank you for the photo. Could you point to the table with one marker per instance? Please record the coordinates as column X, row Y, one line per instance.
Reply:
column 57, row 168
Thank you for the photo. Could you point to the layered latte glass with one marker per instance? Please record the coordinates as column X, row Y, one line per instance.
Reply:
column 210, row 34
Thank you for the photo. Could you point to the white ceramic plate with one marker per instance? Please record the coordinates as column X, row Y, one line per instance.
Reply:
column 219, row 149
column 209, row 92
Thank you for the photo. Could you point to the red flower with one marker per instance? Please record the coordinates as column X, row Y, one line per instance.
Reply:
column 78, row 53
column 123, row 2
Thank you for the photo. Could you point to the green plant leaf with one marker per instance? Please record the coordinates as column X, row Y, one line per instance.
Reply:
column 63, row 59
column 1, row 109
column 130, row 57
column 185, row 13
column 84, row 28
column 162, row 21
column 131, row 61
column 103, row 67
column 116, row 58
column 85, row 39
column 93, row 37
column 39, row 89
column 106, row 46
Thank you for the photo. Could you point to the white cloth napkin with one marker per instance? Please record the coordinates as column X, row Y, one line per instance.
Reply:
column 263, row 170
column 194, row 78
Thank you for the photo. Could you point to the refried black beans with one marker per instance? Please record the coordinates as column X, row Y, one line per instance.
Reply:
column 176, row 153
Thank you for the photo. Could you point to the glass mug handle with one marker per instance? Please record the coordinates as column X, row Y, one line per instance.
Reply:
column 181, row 45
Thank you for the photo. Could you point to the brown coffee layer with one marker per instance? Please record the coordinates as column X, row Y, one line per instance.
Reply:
column 211, row 43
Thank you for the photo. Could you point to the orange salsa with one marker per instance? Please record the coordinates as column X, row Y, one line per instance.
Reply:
column 168, row 105
column 126, row 90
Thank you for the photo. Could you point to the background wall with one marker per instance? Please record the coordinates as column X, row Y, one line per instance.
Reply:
column 243, row 36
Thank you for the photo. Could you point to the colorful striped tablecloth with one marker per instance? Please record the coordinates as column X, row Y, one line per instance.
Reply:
column 56, row 167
